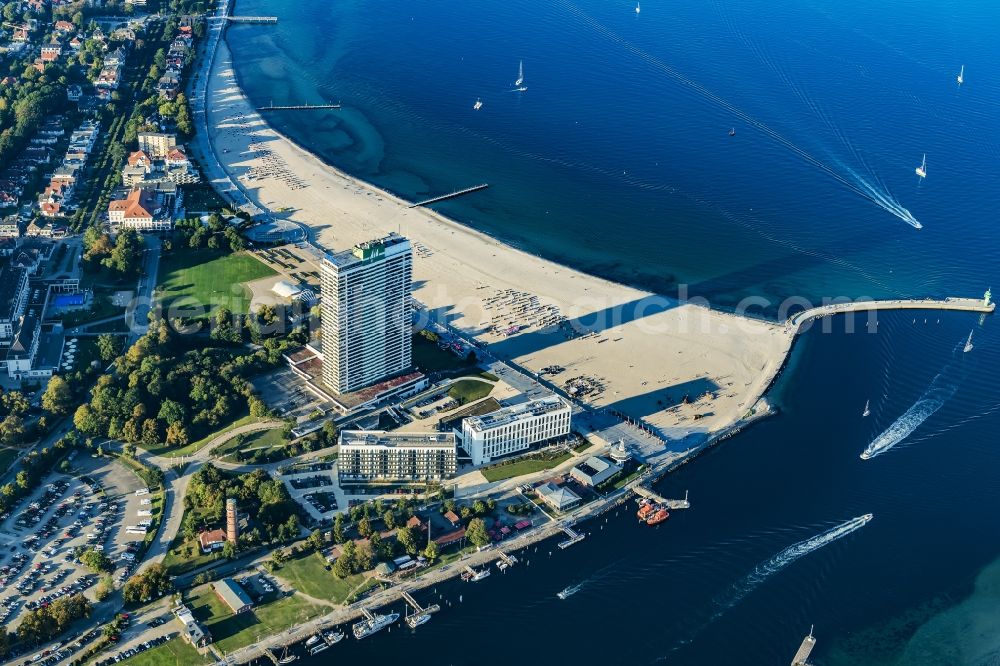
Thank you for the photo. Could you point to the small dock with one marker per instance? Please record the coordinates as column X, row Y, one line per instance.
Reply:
column 506, row 561
column 801, row 657
column 671, row 504
column 262, row 20
column 458, row 193
column 418, row 611
column 574, row 537
column 297, row 107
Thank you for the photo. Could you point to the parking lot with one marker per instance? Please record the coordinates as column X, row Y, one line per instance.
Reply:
column 286, row 393
column 39, row 541
column 314, row 486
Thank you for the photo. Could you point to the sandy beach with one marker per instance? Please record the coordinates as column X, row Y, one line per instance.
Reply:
column 681, row 367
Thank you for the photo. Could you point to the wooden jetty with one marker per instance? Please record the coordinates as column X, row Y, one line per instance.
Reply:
column 506, row 561
column 672, row 504
column 457, row 193
column 415, row 619
column 253, row 19
column 801, row 657
column 574, row 537
column 297, row 107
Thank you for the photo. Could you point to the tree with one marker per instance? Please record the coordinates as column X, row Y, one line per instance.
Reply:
column 229, row 550
column 87, row 420
column 107, row 346
column 12, row 429
column 57, row 397
column 408, row 540
column 365, row 527
column 431, row 551
column 315, row 540
column 376, row 545
column 171, row 411
column 177, row 435
column 96, row 560
column 479, row 507
column 476, row 532
column 389, row 518
column 104, row 588
column 22, row 480
column 338, row 528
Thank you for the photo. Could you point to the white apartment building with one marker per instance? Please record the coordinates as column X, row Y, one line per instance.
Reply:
column 395, row 457
column 366, row 313
column 515, row 428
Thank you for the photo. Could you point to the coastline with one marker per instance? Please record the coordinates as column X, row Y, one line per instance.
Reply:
column 647, row 350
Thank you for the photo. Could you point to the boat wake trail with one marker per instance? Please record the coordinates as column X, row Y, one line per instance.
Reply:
column 941, row 389
column 570, row 591
column 772, row 566
column 854, row 183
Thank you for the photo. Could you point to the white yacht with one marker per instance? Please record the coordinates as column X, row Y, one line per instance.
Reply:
column 961, row 75
column 922, row 169
column 637, row 8
column 366, row 627
column 520, row 74
column 867, row 411
column 478, row 105
column 968, row 344
column 415, row 621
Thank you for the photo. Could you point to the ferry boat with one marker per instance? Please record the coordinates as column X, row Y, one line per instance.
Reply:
column 415, row 621
column 922, row 169
column 333, row 637
column 661, row 515
column 366, row 628
column 961, row 75
column 478, row 105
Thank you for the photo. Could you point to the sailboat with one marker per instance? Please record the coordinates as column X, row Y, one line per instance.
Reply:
column 520, row 74
column 867, row 411
column 968, row 343
column 922, row 169
column 478, row 105
column 637, row 8
column 961, row 75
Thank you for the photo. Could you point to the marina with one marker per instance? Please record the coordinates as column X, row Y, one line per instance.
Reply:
column 420, row 614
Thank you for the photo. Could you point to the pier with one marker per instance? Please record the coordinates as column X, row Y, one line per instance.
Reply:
column 253, row 19
column 801, row 657
column 458, row 193
column 506, row 561
column 982, row 305
column 574, row 537
column 672, row 504
column 419, row 612
column 297, row 107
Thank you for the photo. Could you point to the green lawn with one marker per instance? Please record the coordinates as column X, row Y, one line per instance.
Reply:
column 309, row 575
column 522, row 467
column 262, row 439
column 175, row 652
column 428, row 357
column 469, row 390
column 202, row 280
column 232, row 632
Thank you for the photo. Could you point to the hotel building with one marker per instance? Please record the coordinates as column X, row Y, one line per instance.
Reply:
column 395, row 457
column 366, row 313
column 515, row 428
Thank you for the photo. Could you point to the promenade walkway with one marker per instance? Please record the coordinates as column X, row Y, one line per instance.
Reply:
column 962, row 304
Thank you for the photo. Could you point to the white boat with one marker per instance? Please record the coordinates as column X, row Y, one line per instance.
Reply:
column 520, row 89
column 333, row 637
column 366, row 628
column 319, row 648
column 968, row 343
column 520, row 74
column 471, row 575
column 287, row 658
column 961, row 75
column 867, row 411
column 313, row 640
column 415, row 621
column 478, row 105
column 637, row 8
column 922, row 169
